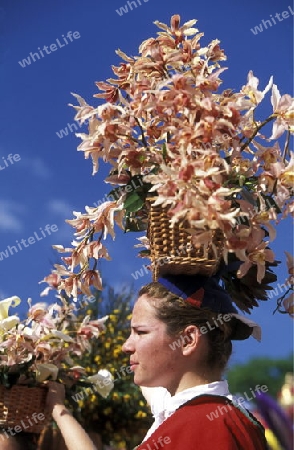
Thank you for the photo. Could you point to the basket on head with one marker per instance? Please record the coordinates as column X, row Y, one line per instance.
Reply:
column 171, row 248
column 23, row 408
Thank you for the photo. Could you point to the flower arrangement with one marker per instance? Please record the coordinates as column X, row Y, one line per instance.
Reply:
column 42, row 347
column 167, row 130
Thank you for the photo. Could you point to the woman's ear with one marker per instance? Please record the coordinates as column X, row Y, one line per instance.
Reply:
column 190, row 337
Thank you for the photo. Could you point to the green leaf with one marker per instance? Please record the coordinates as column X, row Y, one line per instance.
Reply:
column 133, row 202
column 144, row 253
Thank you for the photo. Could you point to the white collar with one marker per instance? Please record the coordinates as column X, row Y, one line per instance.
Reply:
column 163, row 405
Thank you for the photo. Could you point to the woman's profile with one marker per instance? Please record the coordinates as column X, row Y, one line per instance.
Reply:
column 180, row 343
column 182, row 330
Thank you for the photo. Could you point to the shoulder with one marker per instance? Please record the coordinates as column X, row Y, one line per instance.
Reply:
column 224, row 423
column 209, row 421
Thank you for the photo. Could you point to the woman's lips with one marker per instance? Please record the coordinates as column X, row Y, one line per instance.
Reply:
column 133, row 365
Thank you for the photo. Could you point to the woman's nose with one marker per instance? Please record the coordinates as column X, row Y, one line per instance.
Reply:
column 128, row 346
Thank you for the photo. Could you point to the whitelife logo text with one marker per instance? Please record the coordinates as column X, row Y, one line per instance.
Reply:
column 53, row 47
column 272, row 21
column 23, row 425
column 129, row 5
column 9, row 160
column 24, row 243
column 238, row 401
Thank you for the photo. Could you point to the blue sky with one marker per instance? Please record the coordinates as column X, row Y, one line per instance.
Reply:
column 50, row 179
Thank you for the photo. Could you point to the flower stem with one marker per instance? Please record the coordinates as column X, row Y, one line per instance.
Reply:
column 269, row 119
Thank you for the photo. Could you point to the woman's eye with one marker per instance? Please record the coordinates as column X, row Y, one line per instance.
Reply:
column 141, row 332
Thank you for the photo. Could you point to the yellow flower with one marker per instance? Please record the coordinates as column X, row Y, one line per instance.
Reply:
column 140, row 414
column 116, row 352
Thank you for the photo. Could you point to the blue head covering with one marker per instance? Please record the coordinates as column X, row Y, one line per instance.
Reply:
column 206, row 292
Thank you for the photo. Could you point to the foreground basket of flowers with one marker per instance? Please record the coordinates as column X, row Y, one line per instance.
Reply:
column 37, row 349
column 23, row 408
column 206, row 156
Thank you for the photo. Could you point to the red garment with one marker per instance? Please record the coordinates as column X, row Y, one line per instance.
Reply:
column 208, row 422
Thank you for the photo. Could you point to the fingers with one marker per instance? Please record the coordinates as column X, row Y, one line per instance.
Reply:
column 55, row 387
column 56, row 394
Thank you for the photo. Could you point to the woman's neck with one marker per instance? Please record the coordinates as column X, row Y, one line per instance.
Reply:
column 191, row 379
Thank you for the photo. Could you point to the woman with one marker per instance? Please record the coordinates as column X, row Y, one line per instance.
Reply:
column 180, row 341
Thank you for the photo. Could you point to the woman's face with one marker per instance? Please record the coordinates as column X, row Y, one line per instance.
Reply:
column 154, row 359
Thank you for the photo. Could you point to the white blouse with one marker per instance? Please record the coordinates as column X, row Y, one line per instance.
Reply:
column 163, row 404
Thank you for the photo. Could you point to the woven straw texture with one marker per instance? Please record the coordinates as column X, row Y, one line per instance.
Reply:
column 172, row 251
column 19, row 403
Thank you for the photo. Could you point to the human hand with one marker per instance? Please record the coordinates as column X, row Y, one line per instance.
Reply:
column 56, row 394
column 73, row 434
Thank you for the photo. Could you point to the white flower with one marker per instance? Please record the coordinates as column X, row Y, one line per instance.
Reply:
column 5, row 305
column 8, row 323
column 103, row 382
column 45, row 371
column 60, row 335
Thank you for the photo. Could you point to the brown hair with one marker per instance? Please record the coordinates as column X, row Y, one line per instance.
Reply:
column 177, row 314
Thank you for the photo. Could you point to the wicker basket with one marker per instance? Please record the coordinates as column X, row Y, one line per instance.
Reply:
column 22, row 406
column 172, row 251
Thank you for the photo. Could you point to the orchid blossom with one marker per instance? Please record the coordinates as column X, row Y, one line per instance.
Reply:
column 200, row 150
